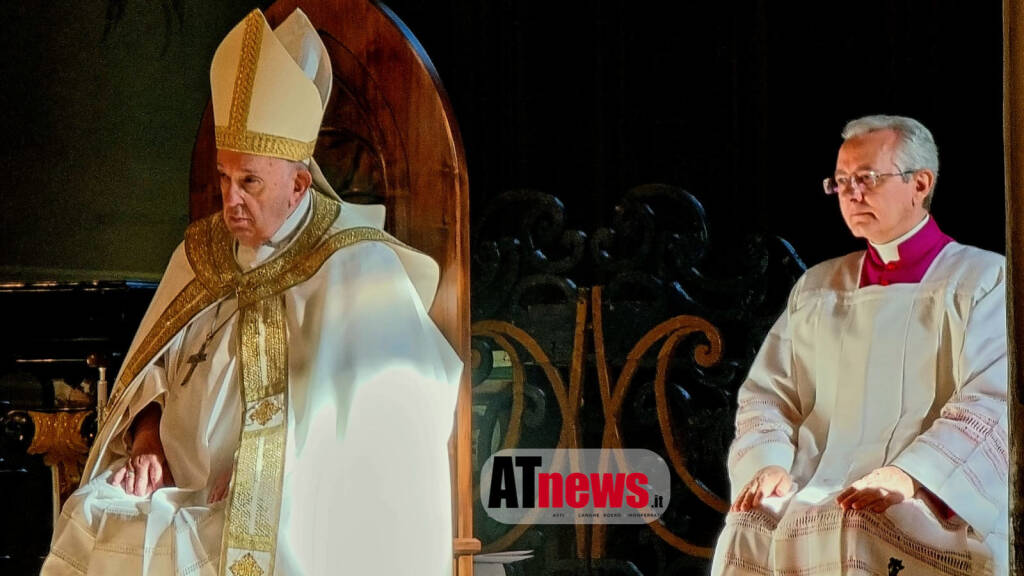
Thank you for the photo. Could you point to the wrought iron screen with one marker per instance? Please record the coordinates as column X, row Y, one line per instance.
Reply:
column 635, row 335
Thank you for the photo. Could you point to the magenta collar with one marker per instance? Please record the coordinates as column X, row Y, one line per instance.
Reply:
column 916, row 254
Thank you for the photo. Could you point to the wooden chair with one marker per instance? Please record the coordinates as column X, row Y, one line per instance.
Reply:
column 389, row 136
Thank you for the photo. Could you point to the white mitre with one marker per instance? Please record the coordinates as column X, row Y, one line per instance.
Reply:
column 270, row 90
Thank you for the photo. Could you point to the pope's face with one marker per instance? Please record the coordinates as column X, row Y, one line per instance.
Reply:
column 258, row 194
column 893, row 206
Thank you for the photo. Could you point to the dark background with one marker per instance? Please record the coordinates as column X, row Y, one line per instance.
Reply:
column 740, row 103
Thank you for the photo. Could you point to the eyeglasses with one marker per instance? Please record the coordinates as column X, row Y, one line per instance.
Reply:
column 861, row 180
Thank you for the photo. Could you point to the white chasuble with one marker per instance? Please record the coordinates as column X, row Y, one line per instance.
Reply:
column 371, row 389
column 851, row 379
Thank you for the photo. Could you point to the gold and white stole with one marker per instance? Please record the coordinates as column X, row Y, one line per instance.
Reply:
column 254, row 502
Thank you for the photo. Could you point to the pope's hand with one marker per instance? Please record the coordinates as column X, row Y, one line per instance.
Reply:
column 878, row 490
column 769, row 481
column 143, row 474
column 220, row 488
column 146, row 469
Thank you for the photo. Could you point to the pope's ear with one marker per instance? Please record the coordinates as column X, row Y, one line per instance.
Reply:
column 303, row 180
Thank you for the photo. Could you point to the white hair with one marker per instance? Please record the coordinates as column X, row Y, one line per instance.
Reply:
column 916, row 149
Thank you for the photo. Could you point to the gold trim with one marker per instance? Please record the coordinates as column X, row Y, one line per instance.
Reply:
column 210, row 249
column 58, row 435
column 203, row 249
column 245, row 77
column 296, row 264
column 254, row 502
column 299, row 272
column 325, row 212
column 265, row 412
column 264, row 367
column 246, row 566
column 263, row 144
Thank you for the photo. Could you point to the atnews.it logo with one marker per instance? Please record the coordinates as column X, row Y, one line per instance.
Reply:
column 586, row 486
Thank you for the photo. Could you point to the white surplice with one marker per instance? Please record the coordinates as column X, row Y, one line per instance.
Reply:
column 372, row 390
column 851, row 379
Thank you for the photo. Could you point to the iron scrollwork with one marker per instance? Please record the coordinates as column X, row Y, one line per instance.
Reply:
column 634, row 336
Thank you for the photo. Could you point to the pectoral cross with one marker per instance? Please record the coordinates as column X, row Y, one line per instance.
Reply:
column 199, row 357
column 193, row 361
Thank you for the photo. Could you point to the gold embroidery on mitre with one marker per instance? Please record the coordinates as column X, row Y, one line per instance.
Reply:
column 246, row 566
column 265, row 412
column 261, row 144
column 245, row 77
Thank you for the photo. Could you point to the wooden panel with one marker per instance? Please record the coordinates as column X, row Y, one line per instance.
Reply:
column 1013, row 134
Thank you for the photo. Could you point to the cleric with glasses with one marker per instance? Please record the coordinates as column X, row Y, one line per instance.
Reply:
column 861, row 181
column 871, row 430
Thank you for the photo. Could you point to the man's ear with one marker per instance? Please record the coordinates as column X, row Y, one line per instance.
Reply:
column 303, row 180
column 924, row 181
